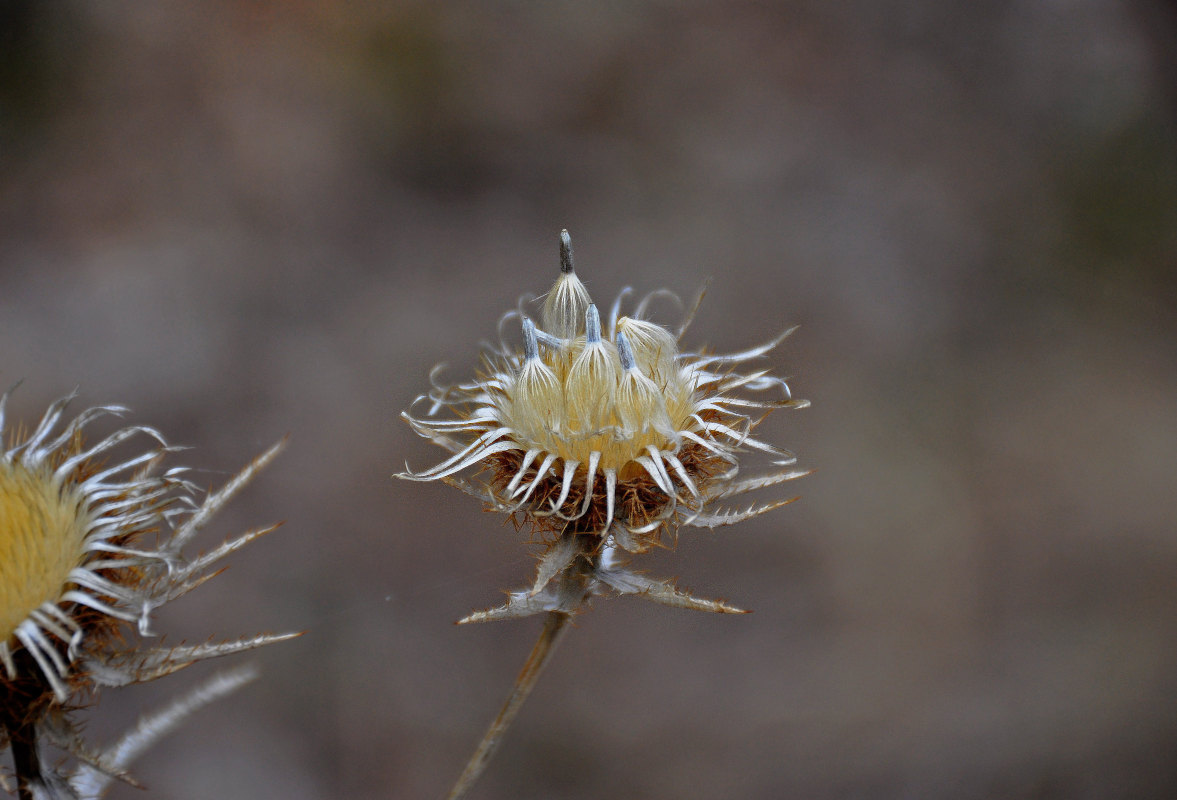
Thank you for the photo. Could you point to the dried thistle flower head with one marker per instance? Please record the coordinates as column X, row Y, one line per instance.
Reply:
column 86, row 548
column 604, row 439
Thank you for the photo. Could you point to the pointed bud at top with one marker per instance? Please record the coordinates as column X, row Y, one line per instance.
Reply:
column 563, row 314
column 592, row 325
column 625, row 353
column 565, row 252
column 530, row 347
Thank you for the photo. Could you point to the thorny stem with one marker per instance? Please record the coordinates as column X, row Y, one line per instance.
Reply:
column 554, row 627
column 575, row 583
column 22, row 740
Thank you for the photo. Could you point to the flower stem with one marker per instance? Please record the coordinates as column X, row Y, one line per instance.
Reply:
column 554, row 627
column 26, row 763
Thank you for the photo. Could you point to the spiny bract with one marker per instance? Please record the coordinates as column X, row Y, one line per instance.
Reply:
column 604, row 438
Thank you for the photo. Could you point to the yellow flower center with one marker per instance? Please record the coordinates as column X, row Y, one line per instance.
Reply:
column 42, row 532
column 581, row 401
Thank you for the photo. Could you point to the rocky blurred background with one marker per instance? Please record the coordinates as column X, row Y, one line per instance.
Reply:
column 246, row 219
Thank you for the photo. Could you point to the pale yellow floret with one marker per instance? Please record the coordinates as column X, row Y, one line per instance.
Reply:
column 656, row 352
column 590, row 389
column 642, row 410
column 42, row 534
column 536, row 406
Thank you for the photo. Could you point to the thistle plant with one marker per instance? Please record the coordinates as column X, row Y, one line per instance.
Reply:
column 603, row 440
column 91, row 543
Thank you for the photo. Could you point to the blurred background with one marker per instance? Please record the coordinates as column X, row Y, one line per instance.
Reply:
column 246, row 219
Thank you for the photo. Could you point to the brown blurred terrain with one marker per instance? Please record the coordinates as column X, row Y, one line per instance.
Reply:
column 247, row 219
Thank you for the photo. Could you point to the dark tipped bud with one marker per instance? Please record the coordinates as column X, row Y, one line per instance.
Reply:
column 530, row 347
column 565, row 252
column 592, row 325
column 625, row 352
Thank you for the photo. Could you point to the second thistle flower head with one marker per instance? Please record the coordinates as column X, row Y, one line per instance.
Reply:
column 606, row 429
column 91, row 543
